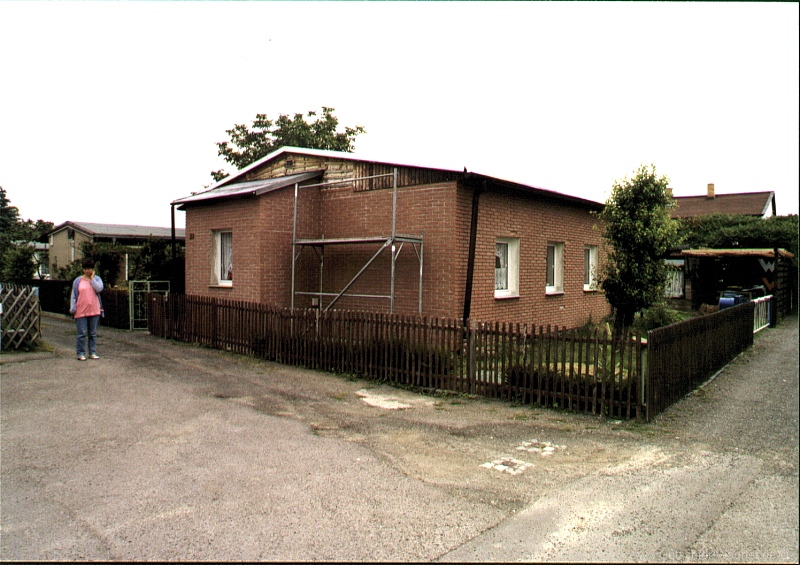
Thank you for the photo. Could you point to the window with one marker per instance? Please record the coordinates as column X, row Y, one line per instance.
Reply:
column 506, row 267
column 555, row 268
column 590, row 267
column 223, row 258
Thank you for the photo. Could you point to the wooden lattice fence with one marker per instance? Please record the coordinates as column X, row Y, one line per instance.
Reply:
column 21, row 316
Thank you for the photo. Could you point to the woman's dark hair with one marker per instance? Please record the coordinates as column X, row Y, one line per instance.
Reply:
column 87, row 264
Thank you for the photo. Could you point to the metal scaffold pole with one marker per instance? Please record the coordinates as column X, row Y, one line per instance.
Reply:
column 394, row 236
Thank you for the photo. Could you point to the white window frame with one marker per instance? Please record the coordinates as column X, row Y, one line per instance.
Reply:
column 590, row 267
column 218, row 278
column 554, row 269
column 511, row 290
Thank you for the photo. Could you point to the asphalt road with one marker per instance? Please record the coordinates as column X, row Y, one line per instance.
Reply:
column 163, row 451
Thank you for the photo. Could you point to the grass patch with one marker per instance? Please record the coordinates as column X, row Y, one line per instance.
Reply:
column 40, row 346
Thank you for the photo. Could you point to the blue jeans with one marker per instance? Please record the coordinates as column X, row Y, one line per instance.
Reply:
column 86, row 327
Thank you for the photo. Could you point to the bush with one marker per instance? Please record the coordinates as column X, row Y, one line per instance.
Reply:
column 657, row 316
column 18, row 264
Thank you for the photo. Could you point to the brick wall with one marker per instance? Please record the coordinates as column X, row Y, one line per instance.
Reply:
column 440, row 212
column 535, row 223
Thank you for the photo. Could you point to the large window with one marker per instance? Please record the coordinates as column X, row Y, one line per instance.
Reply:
column 555, row 268
column 223, row 257
column 590, row 267
column 506, row 267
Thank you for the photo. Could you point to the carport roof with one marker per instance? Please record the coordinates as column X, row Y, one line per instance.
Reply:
column 770, row 253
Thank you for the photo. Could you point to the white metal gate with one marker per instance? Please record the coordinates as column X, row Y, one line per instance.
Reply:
column 137, row 300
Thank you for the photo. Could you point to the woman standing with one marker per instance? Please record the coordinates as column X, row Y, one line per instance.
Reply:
column 86, row 307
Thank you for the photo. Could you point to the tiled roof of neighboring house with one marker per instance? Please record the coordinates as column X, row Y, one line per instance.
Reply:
column 119, row 230
column 743, row 203
column 234, row 189
column 736, row 253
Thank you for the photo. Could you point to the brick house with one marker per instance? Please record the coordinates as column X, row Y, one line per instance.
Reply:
column 312, row 228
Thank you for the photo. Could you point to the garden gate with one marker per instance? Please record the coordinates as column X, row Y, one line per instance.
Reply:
column 137, row 300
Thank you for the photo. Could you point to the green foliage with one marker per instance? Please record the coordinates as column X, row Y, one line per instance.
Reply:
column 13, row 229
column 154, row 261
column 639, row 232
column 720, row 231
column 9, row 215
column 18, row 264
column 69, row 272
column 656, row 316
column 108, row 259
column 249, row 145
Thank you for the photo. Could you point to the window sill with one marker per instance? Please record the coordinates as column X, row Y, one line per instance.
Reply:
column 554, row 293
column 506, row 296
column 220, row 286
column 591, row 290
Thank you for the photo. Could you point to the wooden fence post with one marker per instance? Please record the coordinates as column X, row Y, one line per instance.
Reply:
column 470, row 327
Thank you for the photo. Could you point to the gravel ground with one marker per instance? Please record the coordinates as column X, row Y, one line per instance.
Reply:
column 168, row 451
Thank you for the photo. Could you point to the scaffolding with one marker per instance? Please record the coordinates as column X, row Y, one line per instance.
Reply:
column 394, row 241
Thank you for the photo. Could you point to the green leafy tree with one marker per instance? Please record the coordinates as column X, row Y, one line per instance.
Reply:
column 18, row 264
column 107, row 258
column 70, row 271
column 13, row 229
column 722, row 231
column 9, row 215
column 154, row 262
column 639, row 232
column 249, row 145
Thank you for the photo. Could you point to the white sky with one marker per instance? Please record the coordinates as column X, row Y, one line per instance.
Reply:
column 109, row 111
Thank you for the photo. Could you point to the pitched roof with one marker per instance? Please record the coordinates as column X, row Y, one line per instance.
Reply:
column 322, row 153
column 249, row 188
column 743, row 203
column 119, row 230
column 228, row 187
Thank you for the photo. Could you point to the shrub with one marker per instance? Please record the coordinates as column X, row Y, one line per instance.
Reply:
column 657, row 316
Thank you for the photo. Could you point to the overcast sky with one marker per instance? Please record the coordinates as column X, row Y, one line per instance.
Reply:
column 109, row 111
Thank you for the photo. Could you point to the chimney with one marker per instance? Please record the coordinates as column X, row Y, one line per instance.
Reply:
column 710, row 195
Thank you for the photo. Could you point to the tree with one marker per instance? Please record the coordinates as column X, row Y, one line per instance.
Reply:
column 723, row 231
column 18, row 264
column 107, row 257
column 639, row 232
column 249, row 145
column 16, row 233
column 154, row 261
column 9, row 215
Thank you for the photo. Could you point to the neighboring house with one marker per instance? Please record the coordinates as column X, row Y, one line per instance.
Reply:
column 66, row 239
column 756, row 204
column 310, row 228
column 742, row 203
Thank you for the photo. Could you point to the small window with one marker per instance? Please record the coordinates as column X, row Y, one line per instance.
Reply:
column 555, row 268
column 506, row 268
column 590, row 267
column 223, row 258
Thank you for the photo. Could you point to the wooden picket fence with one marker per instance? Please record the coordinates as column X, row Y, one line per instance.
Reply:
column 683, row 356
column 590, row 372
column 21, row 316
